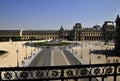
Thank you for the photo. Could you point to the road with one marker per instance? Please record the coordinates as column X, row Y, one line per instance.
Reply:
column 58, row 57
column 43, row 58
column 45, row 55
column 73, row 61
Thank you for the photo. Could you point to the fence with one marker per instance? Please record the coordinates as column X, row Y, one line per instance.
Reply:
column 91, row 72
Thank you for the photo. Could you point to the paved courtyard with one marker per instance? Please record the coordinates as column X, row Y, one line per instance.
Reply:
column 98, row 53
column 83, row 50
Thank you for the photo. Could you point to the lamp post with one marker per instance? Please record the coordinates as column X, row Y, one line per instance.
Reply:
column 106, row 56
column 76, row 47
column 26, row 51
column 75, row 36
column 31, row 50
column 90, row 56
column 81, row 51
column 102, row 47
column 17, row 58
column 31, row 47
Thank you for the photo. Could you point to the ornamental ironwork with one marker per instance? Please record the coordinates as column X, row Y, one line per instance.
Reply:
column 61, row 72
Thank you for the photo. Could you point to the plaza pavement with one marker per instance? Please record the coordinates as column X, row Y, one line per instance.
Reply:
column 97, row 53
column 10, row 59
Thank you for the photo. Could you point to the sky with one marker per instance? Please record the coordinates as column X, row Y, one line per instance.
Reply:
column 51, row 14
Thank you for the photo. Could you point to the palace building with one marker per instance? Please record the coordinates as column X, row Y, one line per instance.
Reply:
column 117, row 38
column 77, row 33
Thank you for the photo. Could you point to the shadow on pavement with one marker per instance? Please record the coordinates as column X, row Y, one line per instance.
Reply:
column 109, row 53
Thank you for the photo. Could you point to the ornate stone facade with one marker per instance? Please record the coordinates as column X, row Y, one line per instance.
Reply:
column 78, row 33
column 117, row 39
column 40, row 34
column 108, row 31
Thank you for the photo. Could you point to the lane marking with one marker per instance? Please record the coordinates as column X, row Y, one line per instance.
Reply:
column 68, row 63
column 52, row 58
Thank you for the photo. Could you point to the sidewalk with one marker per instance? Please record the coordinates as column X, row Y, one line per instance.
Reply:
column 26, row 62
column 96, row 58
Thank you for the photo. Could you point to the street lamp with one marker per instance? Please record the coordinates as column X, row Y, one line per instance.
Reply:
column 81, row 51
column 102, row 47
column 17, row 58
column 31, row 47
column 76, row 47
column 26, row 51
column 106, row 55
column 90, row 56
column 31, row 50
column 76, row 36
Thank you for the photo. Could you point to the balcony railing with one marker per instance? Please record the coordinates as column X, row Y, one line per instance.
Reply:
column 91, row 72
